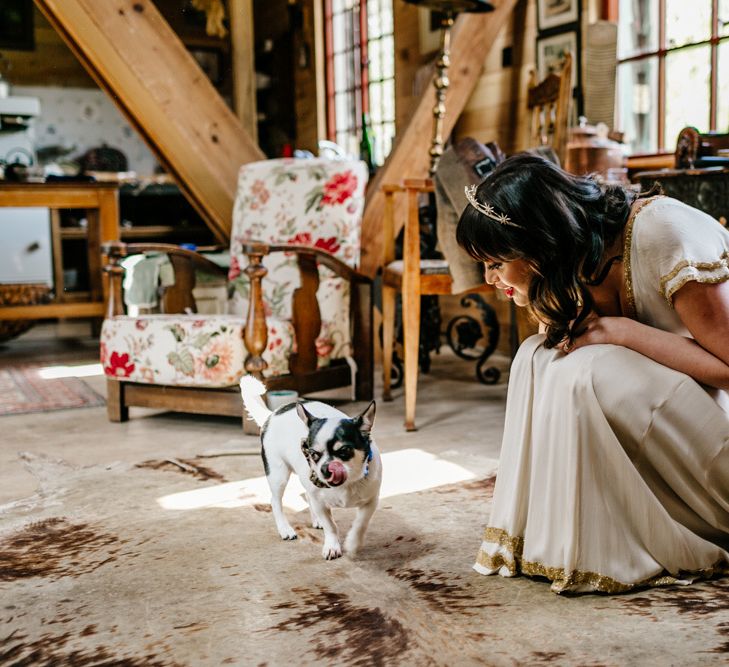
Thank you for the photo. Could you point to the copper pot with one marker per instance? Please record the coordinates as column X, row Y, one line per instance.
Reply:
column 589, row 150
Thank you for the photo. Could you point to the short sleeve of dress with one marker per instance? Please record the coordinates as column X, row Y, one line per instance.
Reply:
column 677, row 243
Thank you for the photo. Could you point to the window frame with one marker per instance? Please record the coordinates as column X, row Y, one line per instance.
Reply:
column 663, row 51
column 361, row 86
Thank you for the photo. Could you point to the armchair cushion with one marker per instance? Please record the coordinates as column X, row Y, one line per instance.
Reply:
column 187, row 350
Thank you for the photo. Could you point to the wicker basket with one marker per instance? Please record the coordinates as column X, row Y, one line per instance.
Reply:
column 24, row 294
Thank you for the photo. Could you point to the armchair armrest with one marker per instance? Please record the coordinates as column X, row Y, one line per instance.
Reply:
column 306, row 315
column 176, row 298
column 330, row 261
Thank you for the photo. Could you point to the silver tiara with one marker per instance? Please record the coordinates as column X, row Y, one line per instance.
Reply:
column 488, row 210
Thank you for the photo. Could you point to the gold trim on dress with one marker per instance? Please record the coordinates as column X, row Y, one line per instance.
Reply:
column 721, row 263
column 627, row 245
column 563, row 580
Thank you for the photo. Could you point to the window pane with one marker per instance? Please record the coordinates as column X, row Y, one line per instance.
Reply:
column 388, row 57
column 687, row 22
column 388, row 100
column 638, row 104
column 341, row 66
column 722, row 107
column 723, row 18
column 637, row 27
column 687, row 92
column 376, row 103
column 374, row 54
column 338, row 32
column 386, row 17
column 374, row 23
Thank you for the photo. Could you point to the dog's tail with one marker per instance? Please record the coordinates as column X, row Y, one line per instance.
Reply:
column 252, row 389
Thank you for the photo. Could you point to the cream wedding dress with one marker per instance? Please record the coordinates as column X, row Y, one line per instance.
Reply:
column 614, row 469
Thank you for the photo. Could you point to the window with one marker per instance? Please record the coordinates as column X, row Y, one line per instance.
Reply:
column 360, row 66
column 673, row 70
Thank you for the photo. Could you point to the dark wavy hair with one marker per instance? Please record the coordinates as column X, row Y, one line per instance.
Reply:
column 566, row 224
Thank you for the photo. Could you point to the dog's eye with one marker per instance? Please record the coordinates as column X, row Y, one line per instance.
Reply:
column 345, row 452
column 315, row 456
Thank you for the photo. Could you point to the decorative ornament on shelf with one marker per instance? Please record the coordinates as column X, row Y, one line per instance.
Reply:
column 215, row 12
column 448, row 9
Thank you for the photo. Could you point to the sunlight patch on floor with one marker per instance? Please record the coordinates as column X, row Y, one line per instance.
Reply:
column 80, row 371
column 404, row 471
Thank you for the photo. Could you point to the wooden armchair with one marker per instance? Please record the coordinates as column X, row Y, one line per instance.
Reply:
column 548, row 103
column 301, row 315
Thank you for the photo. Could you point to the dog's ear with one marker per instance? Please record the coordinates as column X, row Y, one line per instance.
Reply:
column 366, row 419
column 304, row 415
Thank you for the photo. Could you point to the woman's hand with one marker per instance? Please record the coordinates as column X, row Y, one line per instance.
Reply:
column 599, row 330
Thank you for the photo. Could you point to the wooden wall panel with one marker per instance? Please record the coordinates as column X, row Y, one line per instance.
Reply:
column 133, row 54
column 51, row 63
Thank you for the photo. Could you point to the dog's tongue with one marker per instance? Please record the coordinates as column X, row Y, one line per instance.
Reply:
column 337, row 473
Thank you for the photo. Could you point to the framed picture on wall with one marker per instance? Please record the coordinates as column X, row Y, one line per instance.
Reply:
column 16, row 25
column 551, row 52
column 554, row 13
column 429, row 31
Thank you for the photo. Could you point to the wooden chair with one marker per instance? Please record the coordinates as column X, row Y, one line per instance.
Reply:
column 294, row 249
column 412, row 277
column 549, row 103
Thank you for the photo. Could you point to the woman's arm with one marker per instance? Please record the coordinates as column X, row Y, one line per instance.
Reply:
column 703, row 308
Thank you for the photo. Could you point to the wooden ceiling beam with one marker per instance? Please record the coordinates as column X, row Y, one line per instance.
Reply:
column 471, row 41
column 134, row 55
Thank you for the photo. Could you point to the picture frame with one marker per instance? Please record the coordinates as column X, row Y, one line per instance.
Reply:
column 551, row 51
column 16, row 25
column 210, row 61
column 429, row 31
column 555, row 13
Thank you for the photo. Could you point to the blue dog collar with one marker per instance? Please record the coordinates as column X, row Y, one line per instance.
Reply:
column 367, row 465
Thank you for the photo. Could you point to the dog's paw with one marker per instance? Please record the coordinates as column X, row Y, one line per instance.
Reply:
column 316, row 523
column 331, row 550
column 351, row 545
column 288, row 533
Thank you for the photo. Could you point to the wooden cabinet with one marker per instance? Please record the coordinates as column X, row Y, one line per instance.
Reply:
column 100, row 202
column 85, row 215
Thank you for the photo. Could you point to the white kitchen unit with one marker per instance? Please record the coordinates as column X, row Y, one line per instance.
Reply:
column 25, row 245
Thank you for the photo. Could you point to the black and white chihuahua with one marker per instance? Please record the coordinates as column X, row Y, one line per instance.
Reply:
column 334, row 456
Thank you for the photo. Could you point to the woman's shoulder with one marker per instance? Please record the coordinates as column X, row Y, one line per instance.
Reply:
column 668, row 221
column 674, row 243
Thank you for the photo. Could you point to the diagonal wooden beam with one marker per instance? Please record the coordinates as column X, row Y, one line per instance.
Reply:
column 471, row 40
column 134, row 55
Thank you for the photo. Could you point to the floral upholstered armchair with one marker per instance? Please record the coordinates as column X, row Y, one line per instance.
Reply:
column 299, row 313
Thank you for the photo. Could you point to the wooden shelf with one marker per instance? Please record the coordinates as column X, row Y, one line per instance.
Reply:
column 73, row 232
column 149, row 231
column 141, row 232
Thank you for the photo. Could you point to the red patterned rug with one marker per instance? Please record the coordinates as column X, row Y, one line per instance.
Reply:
column 24, row 390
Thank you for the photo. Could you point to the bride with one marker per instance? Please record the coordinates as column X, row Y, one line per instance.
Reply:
column 614, row 468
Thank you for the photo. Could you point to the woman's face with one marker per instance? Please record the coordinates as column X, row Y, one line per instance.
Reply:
column 512, row 277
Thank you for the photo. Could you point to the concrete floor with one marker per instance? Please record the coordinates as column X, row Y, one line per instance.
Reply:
column 112, row 554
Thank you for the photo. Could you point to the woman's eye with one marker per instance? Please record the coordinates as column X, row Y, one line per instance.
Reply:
column 493, row 266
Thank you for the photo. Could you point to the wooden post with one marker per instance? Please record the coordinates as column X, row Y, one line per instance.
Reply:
column 256, row 331
column 306, row 317
column 411, row 303
column 244, row 75
column 114, row 303
column 363, row 339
